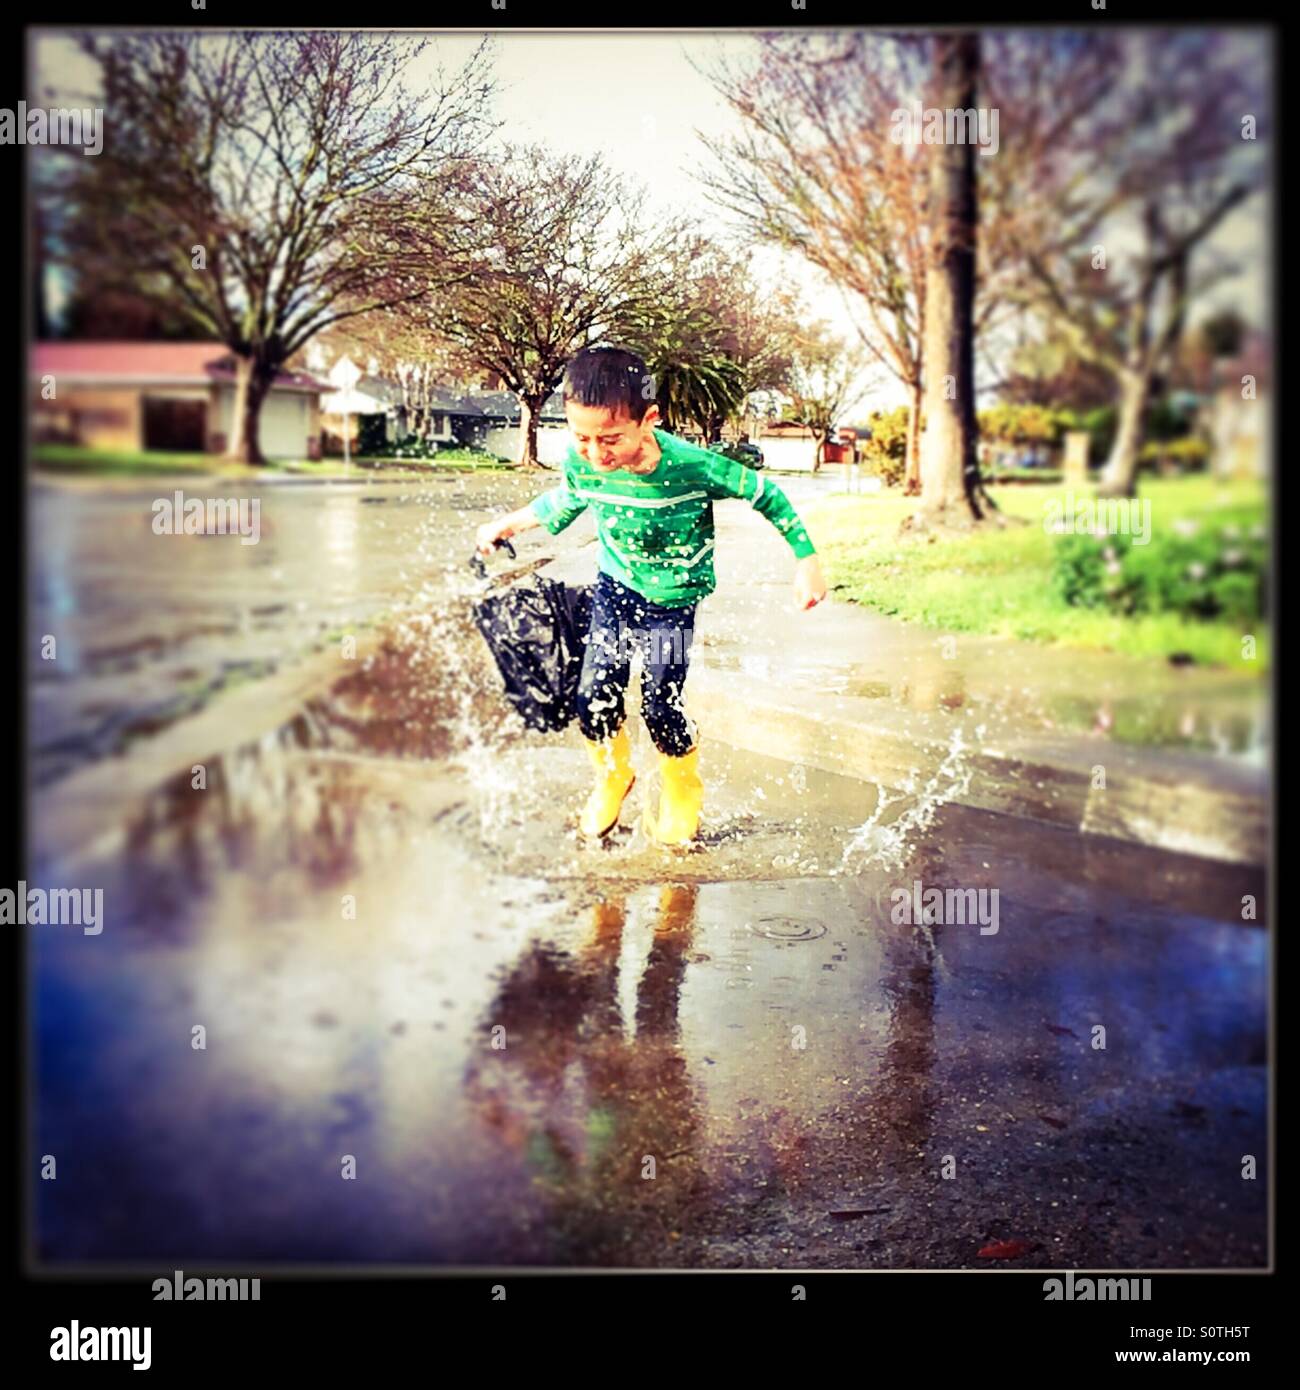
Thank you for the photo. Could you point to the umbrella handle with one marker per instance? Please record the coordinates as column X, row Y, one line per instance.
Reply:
column 476, row 560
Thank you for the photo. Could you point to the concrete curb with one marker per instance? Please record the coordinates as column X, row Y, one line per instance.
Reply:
column 88, row 814
column 1182, row 802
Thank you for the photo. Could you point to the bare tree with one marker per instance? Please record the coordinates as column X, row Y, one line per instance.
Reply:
column 263, row 182
column 824, row 380
column 1153, row 147
column 572, row 260
column 817, row 170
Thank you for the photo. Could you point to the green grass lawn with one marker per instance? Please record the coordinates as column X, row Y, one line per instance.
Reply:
column 444, row 461
column 998, row 582
column 129, row 463
column 72, row 458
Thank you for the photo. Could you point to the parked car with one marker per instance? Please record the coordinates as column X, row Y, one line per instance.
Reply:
column 743, row 452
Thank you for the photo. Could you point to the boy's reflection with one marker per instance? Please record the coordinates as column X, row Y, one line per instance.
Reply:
column 593, row 1113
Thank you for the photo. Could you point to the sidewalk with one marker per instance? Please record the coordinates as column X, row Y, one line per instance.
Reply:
column 849, row 691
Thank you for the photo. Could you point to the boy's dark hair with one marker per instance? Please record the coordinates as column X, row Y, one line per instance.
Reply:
column 612, row 377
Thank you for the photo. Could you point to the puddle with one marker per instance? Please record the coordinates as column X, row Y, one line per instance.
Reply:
column 501, row 1052
column 1193, row 709
column 132, row 611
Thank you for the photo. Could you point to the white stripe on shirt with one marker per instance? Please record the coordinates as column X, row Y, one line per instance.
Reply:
column 615, row 500
column 702, row 551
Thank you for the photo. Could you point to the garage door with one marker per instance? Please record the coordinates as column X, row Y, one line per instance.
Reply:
column 175, row 426
column 283, row 431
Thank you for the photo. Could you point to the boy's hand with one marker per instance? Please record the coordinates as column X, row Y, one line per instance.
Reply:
column 487, row 535
column 809, row 584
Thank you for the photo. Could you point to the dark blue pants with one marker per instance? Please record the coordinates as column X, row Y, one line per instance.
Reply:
column 622, row 622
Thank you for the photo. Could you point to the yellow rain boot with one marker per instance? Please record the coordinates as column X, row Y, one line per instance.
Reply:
column 612, row 761
column 679, row 801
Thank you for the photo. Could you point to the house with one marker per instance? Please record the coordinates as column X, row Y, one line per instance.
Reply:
column 371, row 398
column 373, row 401
column 493, row 421
column 489, row 420
column 172, row 397
column 788, row 445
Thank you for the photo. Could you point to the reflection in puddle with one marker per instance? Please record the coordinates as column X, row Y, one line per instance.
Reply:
column 633, row 1063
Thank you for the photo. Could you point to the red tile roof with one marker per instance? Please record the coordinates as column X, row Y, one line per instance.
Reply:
column 175, row 363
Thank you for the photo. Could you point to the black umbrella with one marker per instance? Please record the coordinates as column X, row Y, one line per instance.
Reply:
column 536, row 631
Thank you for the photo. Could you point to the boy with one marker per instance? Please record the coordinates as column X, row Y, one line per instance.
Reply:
column 652, row 495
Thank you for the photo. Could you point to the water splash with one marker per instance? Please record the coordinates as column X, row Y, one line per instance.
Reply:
column 450, row 676
column 887, row 846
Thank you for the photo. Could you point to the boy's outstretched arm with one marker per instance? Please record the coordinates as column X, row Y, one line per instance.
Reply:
column 554, row 510
column 727, row 478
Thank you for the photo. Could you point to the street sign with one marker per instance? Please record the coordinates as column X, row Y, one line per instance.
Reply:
column 346, row 373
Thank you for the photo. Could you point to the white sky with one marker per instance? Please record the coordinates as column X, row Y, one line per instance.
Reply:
column 637, row 100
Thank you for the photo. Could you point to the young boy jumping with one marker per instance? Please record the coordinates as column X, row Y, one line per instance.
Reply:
column 652, row 494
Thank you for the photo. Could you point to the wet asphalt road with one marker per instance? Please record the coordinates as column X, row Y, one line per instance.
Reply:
column 531, row 1052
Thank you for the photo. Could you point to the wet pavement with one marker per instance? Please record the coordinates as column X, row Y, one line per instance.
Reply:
column 150, row 627
column 534, row 1052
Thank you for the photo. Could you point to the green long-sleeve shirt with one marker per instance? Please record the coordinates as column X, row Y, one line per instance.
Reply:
column 655, row 530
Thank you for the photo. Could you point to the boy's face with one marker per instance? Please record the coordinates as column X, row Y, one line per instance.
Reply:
column 608, row 441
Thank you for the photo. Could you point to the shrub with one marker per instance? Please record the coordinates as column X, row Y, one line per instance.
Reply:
column 885, row 453
column 1006, row 423
column 469, row 453
column 413, row 447
column 370, row 436
column 1198, row 571
column 1189, row 454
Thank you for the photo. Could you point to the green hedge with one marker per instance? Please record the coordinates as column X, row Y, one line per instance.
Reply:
column 413, row 447
column 1189, row 454
column 1196, row 570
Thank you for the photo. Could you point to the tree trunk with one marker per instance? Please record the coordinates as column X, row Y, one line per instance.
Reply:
column 253, row 380
column 235, row 441
column 530, row 408
column 1119, row 478
column 912, row 475
column 949, row 466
